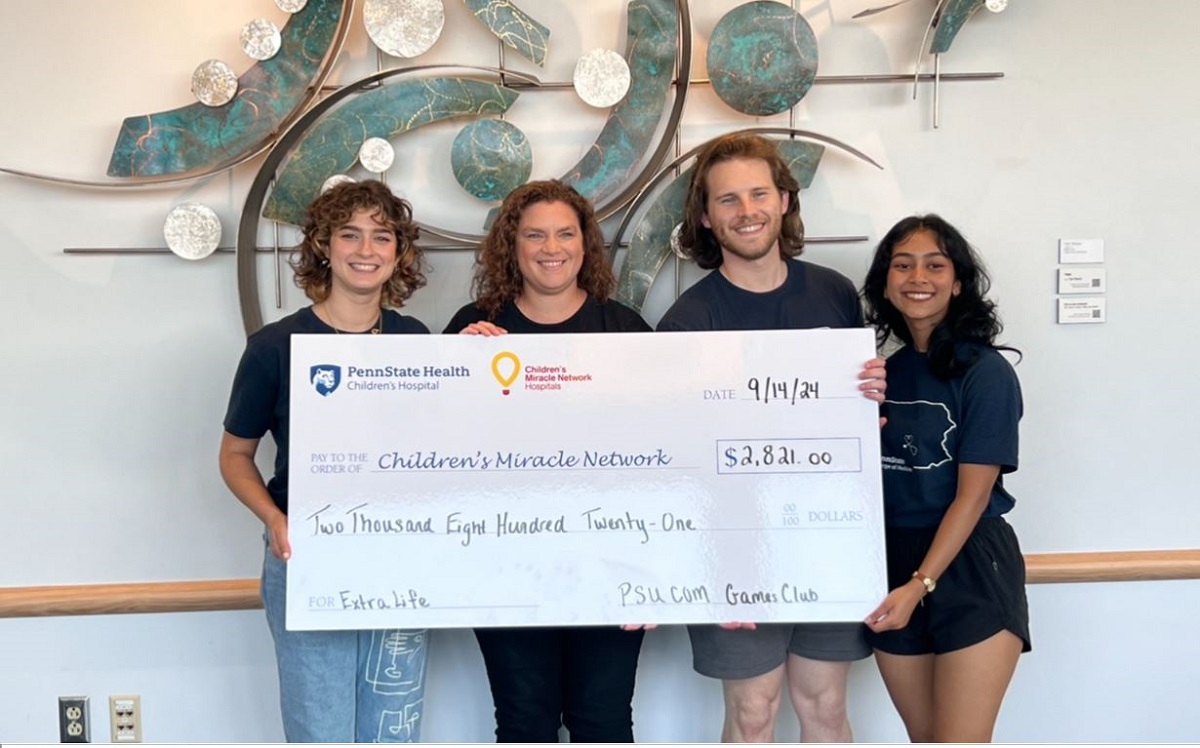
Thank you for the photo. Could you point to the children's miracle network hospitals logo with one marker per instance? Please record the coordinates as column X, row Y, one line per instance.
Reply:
column 325, row 378
column 507, row 369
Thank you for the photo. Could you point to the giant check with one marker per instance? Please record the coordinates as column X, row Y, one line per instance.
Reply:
column 452, row 480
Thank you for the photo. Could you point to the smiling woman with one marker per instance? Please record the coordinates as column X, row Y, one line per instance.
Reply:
column 358, row 257
column 957, row 606
column 543, row 269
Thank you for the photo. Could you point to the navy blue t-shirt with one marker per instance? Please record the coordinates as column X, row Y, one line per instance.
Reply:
column 593, row 316
column 259, row 400
column 811, row 297
column 934, row 425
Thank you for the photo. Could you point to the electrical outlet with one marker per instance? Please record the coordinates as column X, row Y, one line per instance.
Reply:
column 125, row 718
column 73, row 720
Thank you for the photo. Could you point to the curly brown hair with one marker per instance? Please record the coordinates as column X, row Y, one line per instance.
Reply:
column 498, row 279
column 335, row 207
column 697, row 240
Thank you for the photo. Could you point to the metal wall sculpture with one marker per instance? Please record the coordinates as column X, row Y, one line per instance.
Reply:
column 199, row 140
column 945, row 23
column 761, row 61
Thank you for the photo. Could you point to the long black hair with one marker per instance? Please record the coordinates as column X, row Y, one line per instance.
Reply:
column 971, row 317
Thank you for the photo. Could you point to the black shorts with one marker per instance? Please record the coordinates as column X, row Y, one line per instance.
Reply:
column 979, row 595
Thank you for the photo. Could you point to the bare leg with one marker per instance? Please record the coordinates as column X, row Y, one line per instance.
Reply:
column 818, row 692
column 750, row 707
column 968, row 686
column 909, row 681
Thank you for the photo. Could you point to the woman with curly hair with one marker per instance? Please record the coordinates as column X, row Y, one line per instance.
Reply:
column 357, row 260
column 948, row 635
column 543, row 269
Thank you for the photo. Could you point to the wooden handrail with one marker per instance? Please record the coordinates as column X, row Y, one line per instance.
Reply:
column 140, row 597
column 242, row 594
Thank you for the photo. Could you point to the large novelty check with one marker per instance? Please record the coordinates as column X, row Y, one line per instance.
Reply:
column 452, row 480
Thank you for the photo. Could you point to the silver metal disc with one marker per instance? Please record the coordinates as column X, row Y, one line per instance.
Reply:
column 996, row 6
column 260, row 39
column 291, row 6
column 602, row 77
column 214, row 83
column 404, row 28
column 192, row 231
column 376, row 154
column 676, row 246
column 335, row 180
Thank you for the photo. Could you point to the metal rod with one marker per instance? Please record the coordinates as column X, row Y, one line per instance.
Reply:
column 278, row 278
column 933, row 21
column 937, row 80
column 101, row 251
column 500, row 57
column 820, row 79
column 905, row 77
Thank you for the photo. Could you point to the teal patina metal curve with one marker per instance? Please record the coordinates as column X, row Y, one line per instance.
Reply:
column 252, row 208
column 950, row 22
column 649, row 245
column 198, row 140
column 491, row 158
column 331, row 145
column 659, row 32
column 762, row 58
column 513, row 27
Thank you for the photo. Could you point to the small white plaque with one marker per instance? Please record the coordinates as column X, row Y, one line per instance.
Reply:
column 1080, row 250
column 1082, row 311
column 1082, row 280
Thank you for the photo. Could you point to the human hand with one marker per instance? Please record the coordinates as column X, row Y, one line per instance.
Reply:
column 896, row 609
column 638, row 626
column 485, row 328
column 734, row 625
column 277, row 531
column 874, row 376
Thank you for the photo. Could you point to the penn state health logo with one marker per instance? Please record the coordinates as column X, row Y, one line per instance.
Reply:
column 325, row 378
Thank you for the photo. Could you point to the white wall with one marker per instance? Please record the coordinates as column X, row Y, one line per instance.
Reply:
column 118, row 366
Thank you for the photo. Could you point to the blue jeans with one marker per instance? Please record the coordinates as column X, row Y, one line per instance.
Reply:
column 344, row 686
column 542, row 678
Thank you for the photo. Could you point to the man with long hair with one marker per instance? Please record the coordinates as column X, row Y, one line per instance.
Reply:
column 742, row 221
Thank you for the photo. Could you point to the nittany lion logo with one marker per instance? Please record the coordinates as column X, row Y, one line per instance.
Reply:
column 325, row 378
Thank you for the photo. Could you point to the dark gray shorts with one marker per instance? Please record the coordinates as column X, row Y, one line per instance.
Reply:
column 742, row 653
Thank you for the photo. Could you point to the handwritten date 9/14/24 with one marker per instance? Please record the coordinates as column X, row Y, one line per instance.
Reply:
column 769, row 389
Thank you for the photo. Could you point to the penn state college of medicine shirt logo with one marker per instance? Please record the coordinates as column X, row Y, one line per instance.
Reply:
column 325, row 378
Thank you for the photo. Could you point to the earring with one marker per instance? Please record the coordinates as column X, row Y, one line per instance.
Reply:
column 324, row 262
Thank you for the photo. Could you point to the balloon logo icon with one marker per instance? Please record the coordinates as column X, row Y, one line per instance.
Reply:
column 505, row 360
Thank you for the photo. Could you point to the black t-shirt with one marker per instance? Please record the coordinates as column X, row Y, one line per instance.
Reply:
column 258, row 402
column 811, row 297
column 593, row 316
column 934, row 425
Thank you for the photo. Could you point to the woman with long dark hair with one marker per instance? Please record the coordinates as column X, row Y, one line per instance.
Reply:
column 948, row 635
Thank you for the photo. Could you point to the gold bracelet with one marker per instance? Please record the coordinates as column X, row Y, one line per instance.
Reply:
column 930, row 584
